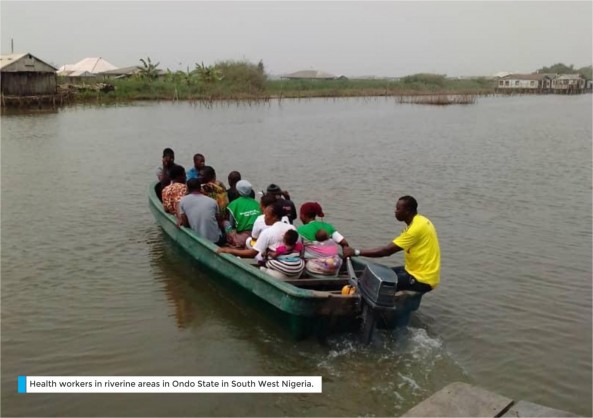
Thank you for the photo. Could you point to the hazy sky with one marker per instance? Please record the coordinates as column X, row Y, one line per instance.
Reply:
column 349, row 38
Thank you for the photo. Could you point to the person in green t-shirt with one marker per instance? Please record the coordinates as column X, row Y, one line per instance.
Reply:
column 308, row 214
column 321, row 250
column 243, row 211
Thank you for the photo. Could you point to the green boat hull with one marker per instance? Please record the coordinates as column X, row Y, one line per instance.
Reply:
column 301, row 311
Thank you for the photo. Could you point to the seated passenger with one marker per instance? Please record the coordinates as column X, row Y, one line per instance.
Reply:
column 243, row 212
column 259, row 225
column 269, row 240
column 199, row 163
column 287, row 257
column 214, row 189
column 322, row 256
column 291, row 246
column 321, row 252
column 173, row 193
column 163, row 172
column 200, row 213
column 284, row 197
column 232, row 193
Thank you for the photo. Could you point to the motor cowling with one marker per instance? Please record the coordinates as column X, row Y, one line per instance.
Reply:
column 377, row 285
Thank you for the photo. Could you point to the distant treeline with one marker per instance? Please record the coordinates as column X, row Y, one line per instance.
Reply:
column 237, row 80
column 560, row 68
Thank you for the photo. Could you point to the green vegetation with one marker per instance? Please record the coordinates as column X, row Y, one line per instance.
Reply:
column 242, row 80
column 224, row 80
column 148, row 70
column 419, row 84
column 560, row 68
column 207, row 75
column 586, row 72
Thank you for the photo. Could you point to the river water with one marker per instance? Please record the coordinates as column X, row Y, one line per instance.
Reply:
column 91, row 286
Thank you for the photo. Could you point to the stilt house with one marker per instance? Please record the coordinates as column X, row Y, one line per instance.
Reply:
column 26, row 75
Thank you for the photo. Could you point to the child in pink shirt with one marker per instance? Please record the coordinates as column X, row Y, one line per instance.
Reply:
column 291, row 246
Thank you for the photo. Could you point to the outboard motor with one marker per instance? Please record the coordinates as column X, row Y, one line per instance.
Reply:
column 377, row 286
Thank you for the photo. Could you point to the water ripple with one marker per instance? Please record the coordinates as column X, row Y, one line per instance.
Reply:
column 91, row 286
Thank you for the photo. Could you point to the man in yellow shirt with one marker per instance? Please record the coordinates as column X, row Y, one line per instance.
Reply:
column 419, row 241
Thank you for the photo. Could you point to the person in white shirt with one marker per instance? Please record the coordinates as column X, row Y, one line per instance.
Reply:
column 260, row 224
column 269, row 239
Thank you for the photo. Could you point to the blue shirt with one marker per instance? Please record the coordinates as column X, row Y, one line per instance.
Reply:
column 193, row 174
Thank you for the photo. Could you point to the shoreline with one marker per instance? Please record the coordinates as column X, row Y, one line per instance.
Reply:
column 58, row 100
column 436, row 98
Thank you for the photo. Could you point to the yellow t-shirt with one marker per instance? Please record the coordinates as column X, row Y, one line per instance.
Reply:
column 422, row 254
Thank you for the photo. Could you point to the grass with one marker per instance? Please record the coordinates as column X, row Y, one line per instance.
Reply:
column 244, row 81
column 354, row 87
column 163, row 89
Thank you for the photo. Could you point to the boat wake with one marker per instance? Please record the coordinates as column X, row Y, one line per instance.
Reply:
column 409, row 345
column 399, row 366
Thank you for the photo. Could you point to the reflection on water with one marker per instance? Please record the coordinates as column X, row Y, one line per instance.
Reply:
column 91, row 286
column 385, row 374
column 195, row 295
column 15, row 111
column 176, row 289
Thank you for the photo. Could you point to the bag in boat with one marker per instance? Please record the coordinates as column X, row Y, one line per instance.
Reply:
column 322, row 258
column 237, row 239
column 325, row 266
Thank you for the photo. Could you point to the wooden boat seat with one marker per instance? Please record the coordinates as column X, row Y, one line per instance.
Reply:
column 251, row 261
column 334, row 282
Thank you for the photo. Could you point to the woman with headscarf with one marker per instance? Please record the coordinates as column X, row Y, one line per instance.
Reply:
column 321, row 255
column 214, row 189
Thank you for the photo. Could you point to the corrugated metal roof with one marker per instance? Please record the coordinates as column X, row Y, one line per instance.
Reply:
column 569, row 77
column 86, row 66
column 122, row 71
column 310, row 74
column 502, row 74
column 9, row 60
column 525, row 77
column 129, row 71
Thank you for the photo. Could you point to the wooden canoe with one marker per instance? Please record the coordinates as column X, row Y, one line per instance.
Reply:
column 302, row 306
